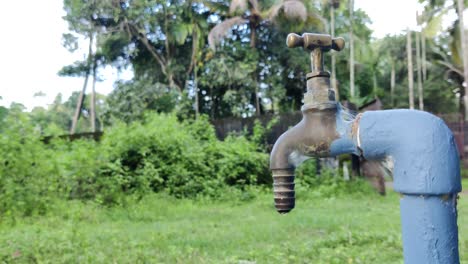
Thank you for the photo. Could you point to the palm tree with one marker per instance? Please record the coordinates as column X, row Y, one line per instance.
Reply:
column 333, row 5
column 463, row 46
column 391, row 58
column 458, row 61
column 392, row 84
column 250, row 12
column 197, row 25
column 418, row 72
column 90, row 60
column 351, row 50
column 409, row 52
column 420, row 60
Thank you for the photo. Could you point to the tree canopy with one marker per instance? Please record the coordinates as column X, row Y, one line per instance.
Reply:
column 228, row 58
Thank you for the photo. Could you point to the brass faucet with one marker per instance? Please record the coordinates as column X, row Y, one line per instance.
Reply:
column 317, row 130
column 426, row 161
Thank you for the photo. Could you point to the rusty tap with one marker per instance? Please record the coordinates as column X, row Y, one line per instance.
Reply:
column 315, row 133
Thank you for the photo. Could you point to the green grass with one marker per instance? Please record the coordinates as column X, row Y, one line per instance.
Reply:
column 161, row 229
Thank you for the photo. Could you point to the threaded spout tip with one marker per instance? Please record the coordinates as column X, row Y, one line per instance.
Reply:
column 283, row 189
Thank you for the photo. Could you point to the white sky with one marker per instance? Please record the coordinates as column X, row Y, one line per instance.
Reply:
column 389, row 16
column 31, row 53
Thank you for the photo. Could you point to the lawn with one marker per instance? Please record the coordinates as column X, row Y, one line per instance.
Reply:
column 161, row 229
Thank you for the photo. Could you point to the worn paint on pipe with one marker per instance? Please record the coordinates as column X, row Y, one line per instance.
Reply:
column 429, row 228
column 427, row 173
column 422, row 147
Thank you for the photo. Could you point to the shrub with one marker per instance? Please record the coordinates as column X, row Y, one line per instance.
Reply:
column 160, row 153
column 28, row 172
column 240, row 164
column 328, row 183
column 184, row 158
column 80, row 164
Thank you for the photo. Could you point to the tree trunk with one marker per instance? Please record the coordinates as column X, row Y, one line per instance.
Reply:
column 79, row 104
column 212, row 106
column 93, row 98
column 461, row 103
column 252, row 45
column 423, row 52
column 252, row 36
column 272, row 105
column 351, row 50
column 195, row 86
column 193, row 66
column 374, row 85
column 461, row 8
column 257, row 100
column 392, row 85
column 409, row 52
column 418, row 66
column 333, row 58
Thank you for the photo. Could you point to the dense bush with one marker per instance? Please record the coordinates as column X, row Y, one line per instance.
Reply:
column 328, row 183
column 159, row 154
column 80, row 163
column 184, row 158
column 28, row 173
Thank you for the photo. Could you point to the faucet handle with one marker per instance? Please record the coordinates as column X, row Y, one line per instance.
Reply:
column 317, row 44
column 312, row 41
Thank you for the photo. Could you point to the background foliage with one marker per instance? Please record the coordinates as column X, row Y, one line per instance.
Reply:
column 159, row 177
column 160, row 153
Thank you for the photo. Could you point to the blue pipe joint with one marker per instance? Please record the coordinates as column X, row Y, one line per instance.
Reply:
column 422, row 147
column 426, row 173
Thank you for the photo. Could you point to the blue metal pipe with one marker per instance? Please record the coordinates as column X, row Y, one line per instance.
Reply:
column 429, row 228
column 426, row 161
column 421, row 145
column 426, row 173
column 426, row 170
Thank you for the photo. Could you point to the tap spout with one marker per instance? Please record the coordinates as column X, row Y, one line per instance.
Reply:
column 313, row 136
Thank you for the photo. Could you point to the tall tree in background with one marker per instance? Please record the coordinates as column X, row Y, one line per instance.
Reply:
column 158, row 39
column 392, row 85
column 138, row 35
column 351, row 50
column 409, row 52
column 250, row 12
column 199, row 25
column 419, row 71
column 93, row 95
column 433, row 15
column 423, row 55
column 79, row 104
column 391, row 66
column 161, row 41
column 80, row 17
column 334, row 4
column 464, row 50
column 364, row 57
column 420, row 59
